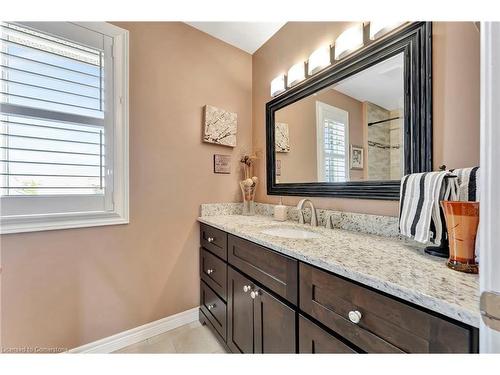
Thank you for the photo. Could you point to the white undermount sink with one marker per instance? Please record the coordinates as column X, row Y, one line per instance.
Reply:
column 292, row 233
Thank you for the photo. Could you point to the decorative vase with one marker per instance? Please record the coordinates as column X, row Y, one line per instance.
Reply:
column 462, row 220
column 248, row 192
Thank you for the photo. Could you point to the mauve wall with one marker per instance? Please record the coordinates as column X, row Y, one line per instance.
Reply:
column 456, row 97
column 70, row 287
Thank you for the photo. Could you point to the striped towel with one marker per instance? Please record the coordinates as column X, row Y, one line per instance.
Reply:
column 420, row 216
column 468, row 184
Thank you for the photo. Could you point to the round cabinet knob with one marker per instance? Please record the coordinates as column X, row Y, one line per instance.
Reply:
column 355, row 316
column 247, row 288
column 210, row 239
column 211, row 307
column 210, row 271
column 254, row 294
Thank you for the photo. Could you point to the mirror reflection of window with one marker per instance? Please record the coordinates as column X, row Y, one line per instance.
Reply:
column 332, row 127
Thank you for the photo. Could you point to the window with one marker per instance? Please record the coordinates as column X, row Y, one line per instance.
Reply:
column 333, row 138
column 63, row 125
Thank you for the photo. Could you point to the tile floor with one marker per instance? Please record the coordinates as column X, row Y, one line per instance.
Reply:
column 190, row 338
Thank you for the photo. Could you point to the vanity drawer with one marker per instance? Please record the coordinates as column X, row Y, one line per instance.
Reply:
column 386, row 325
column 277, row 272
column 315, row 340
column 214, row 308
column 214, row 240
column 214, row 272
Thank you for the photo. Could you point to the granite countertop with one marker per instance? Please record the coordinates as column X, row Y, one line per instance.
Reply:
column 391, row 265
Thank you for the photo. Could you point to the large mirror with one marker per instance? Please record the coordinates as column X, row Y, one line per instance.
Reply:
column 359, row 126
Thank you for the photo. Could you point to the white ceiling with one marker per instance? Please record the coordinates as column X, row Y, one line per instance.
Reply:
column 381, row 84
column 248, row 36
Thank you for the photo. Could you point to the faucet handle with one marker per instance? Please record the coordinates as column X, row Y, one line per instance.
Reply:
column 333, row 220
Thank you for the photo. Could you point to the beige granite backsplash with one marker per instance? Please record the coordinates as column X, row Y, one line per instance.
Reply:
column 386, row 226
column 215, row 209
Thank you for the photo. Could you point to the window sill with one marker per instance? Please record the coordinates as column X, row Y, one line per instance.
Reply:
column 30, row 223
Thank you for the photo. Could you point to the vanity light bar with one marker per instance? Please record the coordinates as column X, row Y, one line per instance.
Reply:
column 347, row 42
column 318, row 60
column 278, row 85
column 350, row 40
column 296, row 74
column 379, row 28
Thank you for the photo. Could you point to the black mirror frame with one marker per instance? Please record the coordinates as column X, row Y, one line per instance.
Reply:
column 415, row 40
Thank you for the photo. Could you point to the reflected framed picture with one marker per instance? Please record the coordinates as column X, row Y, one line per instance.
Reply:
column 278, row 167
column 282, row 137
column 356, row 157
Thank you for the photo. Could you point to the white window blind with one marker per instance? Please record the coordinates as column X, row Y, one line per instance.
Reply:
column 332, row 146
column 334, row 150
column 42, row 155
column 59, row 98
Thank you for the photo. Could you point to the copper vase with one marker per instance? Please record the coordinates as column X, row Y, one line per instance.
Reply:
column 462, row 220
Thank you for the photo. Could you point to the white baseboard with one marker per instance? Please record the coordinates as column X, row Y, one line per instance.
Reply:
column 132, row 336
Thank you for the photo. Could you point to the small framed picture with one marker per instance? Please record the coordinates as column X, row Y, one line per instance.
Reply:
column 222, row 164
column 356, row 157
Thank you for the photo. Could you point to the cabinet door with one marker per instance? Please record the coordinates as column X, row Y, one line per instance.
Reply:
column 313, row 339
column 274, row 327
column 240, row 314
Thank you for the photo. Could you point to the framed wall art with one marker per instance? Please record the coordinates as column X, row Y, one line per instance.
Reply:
column 220, row 126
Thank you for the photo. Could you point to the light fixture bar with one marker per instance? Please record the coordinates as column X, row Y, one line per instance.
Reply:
column 349, row 41
column 318, row 60
column 278, row 85
column 296, row 74
column 380, row 28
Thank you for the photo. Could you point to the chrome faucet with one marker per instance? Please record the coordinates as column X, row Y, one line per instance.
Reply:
column 314, row 218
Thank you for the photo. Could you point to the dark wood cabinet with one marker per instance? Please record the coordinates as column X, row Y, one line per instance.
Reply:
column 275, row 271
column 214, row 239
column 315, row 340
column 240, row 313
column 214, row 308
column 274, row 325
column 383, row 324
column 258, row 300
column 213, row 271
column 257, row 321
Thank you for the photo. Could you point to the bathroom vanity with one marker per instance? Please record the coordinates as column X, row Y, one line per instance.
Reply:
column 335, row 292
